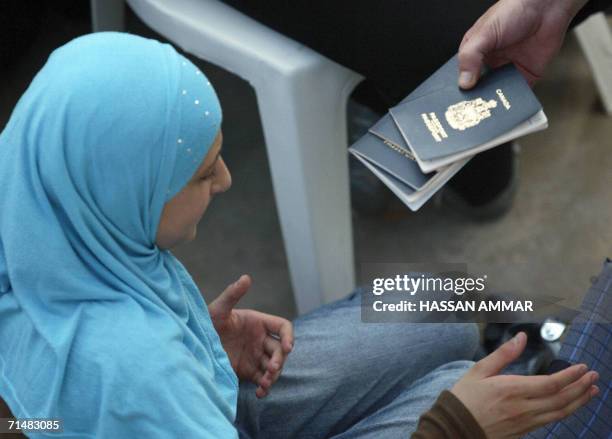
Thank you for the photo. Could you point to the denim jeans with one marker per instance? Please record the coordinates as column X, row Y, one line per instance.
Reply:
column 348, row 379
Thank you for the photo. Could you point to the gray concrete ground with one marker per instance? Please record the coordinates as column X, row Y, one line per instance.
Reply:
column 552, row 241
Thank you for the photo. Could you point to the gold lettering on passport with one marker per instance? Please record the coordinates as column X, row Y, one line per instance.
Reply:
column 467, row 114
column 434, row 126
column 503, row 99
column 399, row 149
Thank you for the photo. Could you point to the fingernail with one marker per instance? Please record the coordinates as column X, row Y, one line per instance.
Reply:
column 583, row 368
column 518, row 338
column 466, row 78
column 594, row 377
column 594, row 390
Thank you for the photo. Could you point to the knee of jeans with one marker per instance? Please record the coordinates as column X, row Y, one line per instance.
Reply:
column 452, row 372
column 466, row 338
column 472, row 339
column 444, row 342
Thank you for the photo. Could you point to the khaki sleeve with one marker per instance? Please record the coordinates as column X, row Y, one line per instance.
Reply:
column 448, row 419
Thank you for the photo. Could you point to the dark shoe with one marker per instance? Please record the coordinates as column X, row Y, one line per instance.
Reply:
column 485, row 188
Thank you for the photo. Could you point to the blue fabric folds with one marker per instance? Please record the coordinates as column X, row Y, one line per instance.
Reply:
column 98, row 326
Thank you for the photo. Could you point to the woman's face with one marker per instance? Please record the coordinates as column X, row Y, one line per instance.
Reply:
column 181, row 215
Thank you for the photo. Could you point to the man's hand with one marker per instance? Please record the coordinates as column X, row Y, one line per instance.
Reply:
column 528, row 33
column 257, row 344
column 508, row 406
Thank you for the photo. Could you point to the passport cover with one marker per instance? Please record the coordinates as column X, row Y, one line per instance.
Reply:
column 449, row 120
column 413, row 199
column 386, row 127
column 391, row 160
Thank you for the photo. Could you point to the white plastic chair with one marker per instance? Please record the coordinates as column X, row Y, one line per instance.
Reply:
column 595, row 38
column 302, row 100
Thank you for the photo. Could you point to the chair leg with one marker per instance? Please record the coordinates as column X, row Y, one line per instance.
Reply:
column 107, row 15
column 304, row 123
column 595, row 38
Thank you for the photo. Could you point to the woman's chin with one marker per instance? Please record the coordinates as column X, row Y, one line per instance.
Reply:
column 191, row 235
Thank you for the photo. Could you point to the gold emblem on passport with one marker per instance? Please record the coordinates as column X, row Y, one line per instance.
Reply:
column 467, row 114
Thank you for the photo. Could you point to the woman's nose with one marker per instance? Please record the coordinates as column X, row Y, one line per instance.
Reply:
column 224, row 181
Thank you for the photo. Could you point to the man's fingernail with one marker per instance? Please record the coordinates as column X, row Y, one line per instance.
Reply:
column 466, row 78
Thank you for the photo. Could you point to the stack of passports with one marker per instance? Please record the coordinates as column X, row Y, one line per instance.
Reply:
column 433, row 132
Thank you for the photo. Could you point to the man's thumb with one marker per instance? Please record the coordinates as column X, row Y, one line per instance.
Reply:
column 228, row 299
column 471, row 60
column 501, row 357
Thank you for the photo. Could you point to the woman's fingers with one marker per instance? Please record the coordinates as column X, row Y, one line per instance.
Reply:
column 222, row 306
column 271, row 367
column 258, row 376
column 282, row 328
column 262, row 384
column 493, row 363
column 273, row 348
column 557, row 415
column 567, row 396
column 546, row 385
column 271, row 364
column 574, row 391
column 271, row 345
column 261, row 392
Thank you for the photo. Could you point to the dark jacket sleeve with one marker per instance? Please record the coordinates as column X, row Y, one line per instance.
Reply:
column 448, row 419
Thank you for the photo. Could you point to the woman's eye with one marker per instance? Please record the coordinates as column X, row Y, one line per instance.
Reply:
column 209, row 176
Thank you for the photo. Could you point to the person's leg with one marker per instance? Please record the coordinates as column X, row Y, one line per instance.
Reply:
column 484, row 189
column 589, row 341
column 400, row 418
column 342, row 370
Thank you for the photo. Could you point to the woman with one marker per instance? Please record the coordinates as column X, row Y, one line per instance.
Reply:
column 109, row 160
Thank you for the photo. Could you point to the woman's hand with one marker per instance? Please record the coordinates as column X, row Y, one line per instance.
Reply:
column 508, row 406
column 526, row 32
column 257, row 344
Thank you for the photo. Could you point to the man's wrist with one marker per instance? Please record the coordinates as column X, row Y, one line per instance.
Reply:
column 571, row 7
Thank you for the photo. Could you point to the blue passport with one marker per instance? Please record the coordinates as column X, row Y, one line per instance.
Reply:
column 415, row 156
column 445, row 124
column 393, row 159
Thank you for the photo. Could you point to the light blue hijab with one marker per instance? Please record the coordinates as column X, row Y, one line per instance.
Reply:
column 98, row 326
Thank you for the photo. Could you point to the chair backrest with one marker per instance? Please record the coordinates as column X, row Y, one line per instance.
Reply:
column 222, row 35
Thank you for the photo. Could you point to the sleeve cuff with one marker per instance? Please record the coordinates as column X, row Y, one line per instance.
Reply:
column 448, row 419
column 459, row 416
